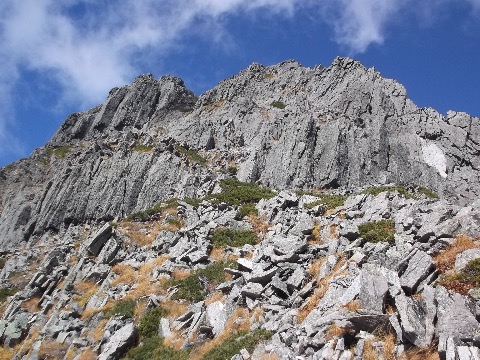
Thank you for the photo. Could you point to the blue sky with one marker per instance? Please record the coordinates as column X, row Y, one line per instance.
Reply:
column 61, row 56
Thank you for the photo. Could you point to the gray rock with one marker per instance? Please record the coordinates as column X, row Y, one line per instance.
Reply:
column 108, row 252
column 96, row 242
column 374, row 288
column 16, row 329
column 419, row 267
column 119, row 342
column 252, row 290
column 464, row 257
column 216, row 316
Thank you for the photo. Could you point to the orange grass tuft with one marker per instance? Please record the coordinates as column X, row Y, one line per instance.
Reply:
column 445, row 260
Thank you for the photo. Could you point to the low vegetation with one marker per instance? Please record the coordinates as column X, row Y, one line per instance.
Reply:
column 278, row 104
column 191, row 155
column 195, row 287
column 143, row 148
column 154, row 210
column 124, row 308
column 331, row 201
column 235, row 192
column 6, row 292
column 233, row 344
column 246, row 210
column 148, row 326
column 465, row 280
column 376, row 190
column 233, row 237
column 154, row 348
column 60, row 151
column 427, row 192
column 377, row 231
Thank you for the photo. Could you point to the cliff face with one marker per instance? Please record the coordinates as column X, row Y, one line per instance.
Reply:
column 285, row 126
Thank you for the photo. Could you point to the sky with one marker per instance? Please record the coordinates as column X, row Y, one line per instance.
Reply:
column 63, row 56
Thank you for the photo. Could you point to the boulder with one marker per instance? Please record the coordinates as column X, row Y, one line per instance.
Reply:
column 119, row 343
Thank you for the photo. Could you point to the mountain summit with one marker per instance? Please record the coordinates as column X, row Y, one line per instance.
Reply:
column 288, row 213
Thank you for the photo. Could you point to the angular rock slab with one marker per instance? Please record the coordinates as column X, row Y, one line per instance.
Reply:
column 419, row 266
column 96, row 242
column 119, row 343
column 464, row 257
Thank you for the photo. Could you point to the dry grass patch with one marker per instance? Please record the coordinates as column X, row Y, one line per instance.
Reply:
column 315, row 238
column 84, row 290
column 126, row 274
column 322, row 286
column 259, row 224
column 31, row 305
column 387, row 352
column 180, row 274
column 315, row 266
column 313, row 300
column 217, row 253
column 421, row 354
column 175, row 308
column 334, row 231
column 7, row 353
column 334, row 331
column 214, row 297
column 88, row 354
column 52, row 350
column 99, row 330
column 353, row 306
column 445, row 260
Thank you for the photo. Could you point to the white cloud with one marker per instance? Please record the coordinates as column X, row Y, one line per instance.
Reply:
column 359, row 23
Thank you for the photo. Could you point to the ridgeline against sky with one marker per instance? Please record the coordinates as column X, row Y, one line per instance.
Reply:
column 58, row 57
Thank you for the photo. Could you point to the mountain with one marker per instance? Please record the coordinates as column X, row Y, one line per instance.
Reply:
column 346, row 217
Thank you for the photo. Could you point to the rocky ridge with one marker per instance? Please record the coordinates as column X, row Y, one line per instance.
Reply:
column 285, row 126
column 129, row 234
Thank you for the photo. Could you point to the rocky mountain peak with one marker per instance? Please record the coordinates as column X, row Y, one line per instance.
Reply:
column 289, row 212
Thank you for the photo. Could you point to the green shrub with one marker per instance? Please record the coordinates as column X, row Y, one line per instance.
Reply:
column 427, row 192
column 6, row 292
column 156, row 209
column 153, row 349
column 246, row 210
column 60, row 151
column 191, row 155
column 467, row 279
column 330, row 200
column 123, row 308
column 278, row 104
column 192, row 289
column 148, row 326
column 377, row 231
column 375, row 190
column 235, row 192
column 233, row 344
column 233, row 237
column 143, row 148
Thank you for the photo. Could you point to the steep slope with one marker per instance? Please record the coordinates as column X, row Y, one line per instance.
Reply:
column 285, row 126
